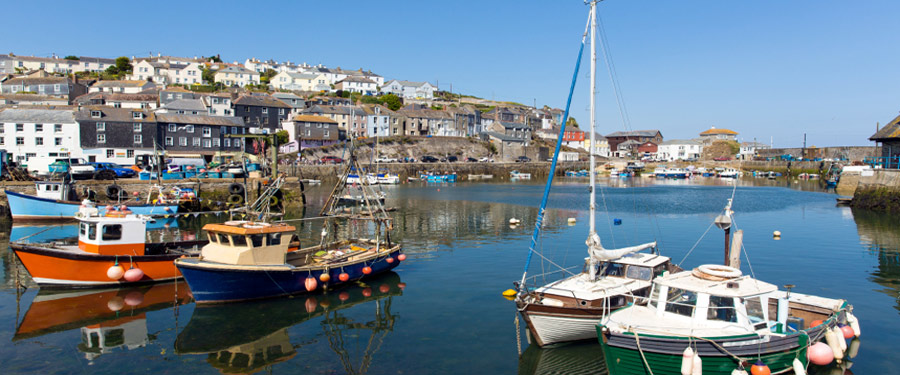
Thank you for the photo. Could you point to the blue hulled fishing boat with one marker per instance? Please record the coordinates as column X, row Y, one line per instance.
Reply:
column 57, row 200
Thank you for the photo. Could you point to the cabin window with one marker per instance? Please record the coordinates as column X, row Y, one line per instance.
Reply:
column 239, row 240
column 83, row 228
column 274, row 239
column 92, row 231
column 257, row 239
column 681, row 302
column 612, row 269
column 223, row 238
column 212, row 237
column 721, row 309
column 638, row 272
column 112, row 232
column 755, row 313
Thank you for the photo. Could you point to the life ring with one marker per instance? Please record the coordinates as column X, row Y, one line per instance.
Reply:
column 112, row 191
column 235, row 223
column 235, row 199
column 252, row 225
column 720, row 271
column 236, row 189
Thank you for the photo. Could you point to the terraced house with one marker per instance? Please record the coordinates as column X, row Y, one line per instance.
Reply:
column 61, row 87
column 199, row 135
column 36, row 137
column 237, row 75
column 115, row 135
column 261, row 111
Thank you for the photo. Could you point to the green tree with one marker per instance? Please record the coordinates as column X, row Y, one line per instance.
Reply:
column 123, row 64
column 282, row 137
column 572, row 122
column 393, row 102
column 207, row 75
column 267, row 75
column 71, row 57
column 215, row 58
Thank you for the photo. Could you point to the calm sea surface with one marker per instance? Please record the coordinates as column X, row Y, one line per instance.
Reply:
column 441, row 311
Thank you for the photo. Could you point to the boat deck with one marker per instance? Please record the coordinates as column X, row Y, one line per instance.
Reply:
column 580, row 287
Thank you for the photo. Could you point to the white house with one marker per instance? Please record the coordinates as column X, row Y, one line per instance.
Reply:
column 125, row 87
column 750, row 149
column 166, row 73
column 237, row 75
column 361, row 85
column 218, row 104
column 36, row 137
column 409, row 90
column 378, row 120
column 300, row 82
column 679, row 149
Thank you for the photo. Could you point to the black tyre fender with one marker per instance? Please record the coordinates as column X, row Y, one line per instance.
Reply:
column 274, row 201
column 112, row 191
column 236, row 189
column 235, row 199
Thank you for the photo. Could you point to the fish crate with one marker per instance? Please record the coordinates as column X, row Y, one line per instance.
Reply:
column 190, row 174
column 227, row 175
column 172, row 176
column 252, row 167
column 213, row 174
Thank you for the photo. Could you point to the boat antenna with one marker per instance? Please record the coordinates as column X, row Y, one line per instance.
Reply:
column 559, row 140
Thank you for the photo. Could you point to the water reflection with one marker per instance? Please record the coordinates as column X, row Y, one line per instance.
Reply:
column 574, row 358
column 249, row 337
column 109, row 319
column 881, row 235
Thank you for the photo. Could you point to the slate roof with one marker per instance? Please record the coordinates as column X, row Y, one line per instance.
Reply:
column 680, row 142
column 36, row 81
column 186, row 105
column 124, row 83
column 313, row 118
column 238, row 69
column 503, row 137
column 260, row 101
column 889, row 131
column 113, row 114
column 634, row 133
column 514, row 125
column 37, row 115
column 356, row 79
column 199, row 119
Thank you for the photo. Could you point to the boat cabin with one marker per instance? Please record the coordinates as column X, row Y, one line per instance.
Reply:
column 693, row 299
column 112, row 235
column 56, row 190
column 247, row 243
column 637, row 266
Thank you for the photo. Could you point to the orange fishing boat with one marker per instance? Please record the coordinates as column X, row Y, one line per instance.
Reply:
column 112, row 250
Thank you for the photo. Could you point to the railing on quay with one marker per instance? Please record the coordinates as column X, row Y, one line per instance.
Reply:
column 883, row 162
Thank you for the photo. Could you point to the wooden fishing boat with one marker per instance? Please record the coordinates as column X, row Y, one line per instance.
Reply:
column 112, row 250
column 519, row 175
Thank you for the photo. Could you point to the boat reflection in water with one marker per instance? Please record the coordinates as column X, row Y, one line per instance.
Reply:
column 109, row 319
column 251, row 336
column 573, row 358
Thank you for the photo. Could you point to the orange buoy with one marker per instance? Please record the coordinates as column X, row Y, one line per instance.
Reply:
column 134, row 274
column 401, row 257
column 344, row 296
column 325, row 304
column 367, row 292
column 401, row 286
column 390, row 260
column 815, row 323
column 343, row 276
column 311, row 284
column 367, row 270
column 384, row 288
column 324, row 277
column 760, row 368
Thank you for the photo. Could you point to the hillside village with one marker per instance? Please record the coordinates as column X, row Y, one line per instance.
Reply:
column 115, row 110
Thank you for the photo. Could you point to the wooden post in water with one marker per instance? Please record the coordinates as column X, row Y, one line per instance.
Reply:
column 727, row 244
column 734, row 255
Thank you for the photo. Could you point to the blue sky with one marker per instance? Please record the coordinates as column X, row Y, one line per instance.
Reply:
column 764, row 68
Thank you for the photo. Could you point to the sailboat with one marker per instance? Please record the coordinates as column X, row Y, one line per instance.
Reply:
column 568, row 309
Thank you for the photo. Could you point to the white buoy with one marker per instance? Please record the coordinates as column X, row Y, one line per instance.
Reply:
column 687, row 361
column 840, row 337
column 832, row 339
column 853, row 350
column 697, row 366
column 514, row 221
column 776, row 233
column 854, row 323
column 739, row 371
column 799, row 369
column 571, row 220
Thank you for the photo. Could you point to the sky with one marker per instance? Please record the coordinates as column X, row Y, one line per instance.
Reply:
column 772, row 70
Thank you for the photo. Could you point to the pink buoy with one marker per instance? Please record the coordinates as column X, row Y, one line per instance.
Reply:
column 115, row 272
column 344, row 296
column 401, row 257
column 847, row 331
column 367, row 292
column 123, row 207
column 115, row 304
column 367, row 270
column 203, row 171
column 384, row 288
column 134, row 274
column 311, row 305
column 311, row 284
column 390, row 260
column 401, row 286
column 135, row 194
column 820, row 354
column 134, row 298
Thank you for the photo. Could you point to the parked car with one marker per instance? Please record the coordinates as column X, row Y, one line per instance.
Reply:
column 109, row 171
column 471, row 160
column 722, row 158
column 384, row 159
column 331, row 160
column 452, row 159
column 428, row 159
column 523, row 159
column 79, row 168
column 486, row 159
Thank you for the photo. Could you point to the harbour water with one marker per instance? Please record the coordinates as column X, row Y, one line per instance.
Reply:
column 441, row 311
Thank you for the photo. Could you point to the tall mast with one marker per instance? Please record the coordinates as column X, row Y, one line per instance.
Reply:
column 593, row 173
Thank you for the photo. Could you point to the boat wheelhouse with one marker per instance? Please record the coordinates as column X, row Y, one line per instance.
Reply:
column 728, row 319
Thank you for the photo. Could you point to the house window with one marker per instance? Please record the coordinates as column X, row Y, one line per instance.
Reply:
column 223, row 130
column 2, row 141
column 101, row 126
column 207, row 131
column 39, row 141
column 117, row 105
column 207, row 143
column 265, row 110
column 189, row 128
column 138, row 138
column 137, row 127
column 170, row 141
column 234, row 130
column 319, row 126
column 173, row 128
column 129, row 153
column 327, row 133
column 309, row 133
column 101, row 138
column 96, row 114
column 195, row 141
column 110, row 153
column 57, row 128
column 280, row 111
column 216, row 142
column 38, row 127
column 20, row 127
column 227, row 142
column 20, row 141
column 182, row 141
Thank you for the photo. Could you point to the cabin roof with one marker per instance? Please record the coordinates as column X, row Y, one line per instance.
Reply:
column 642, row 259
column 247, row 228
column 746, row 286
